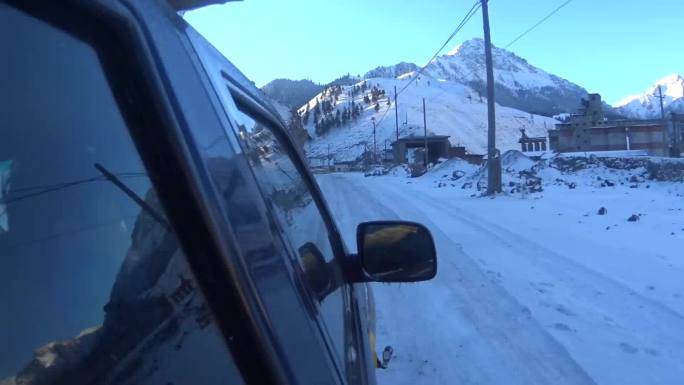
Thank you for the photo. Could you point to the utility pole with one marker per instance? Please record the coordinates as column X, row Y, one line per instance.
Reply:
column 668, row 143
column 328, row 155
column 396, row 112
column 662, row 109
column 493, row 159
column 425, row 155
column 375, row 148
column 676, row 127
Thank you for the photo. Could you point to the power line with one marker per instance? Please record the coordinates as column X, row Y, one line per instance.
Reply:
column 538, row 23
column 81, row 229
column 465, row 78
column 41, row 190
column 476, row 6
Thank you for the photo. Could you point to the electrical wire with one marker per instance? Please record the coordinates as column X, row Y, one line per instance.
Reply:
column 465, row 78
column 44, row 189
column 476, row 6
column 473, row 10
column 538, row 23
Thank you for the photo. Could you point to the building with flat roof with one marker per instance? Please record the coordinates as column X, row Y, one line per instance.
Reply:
column 438, row 146
column 589, row 130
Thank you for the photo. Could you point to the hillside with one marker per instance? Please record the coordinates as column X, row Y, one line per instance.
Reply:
column 647, row 106
column 452, row 109
column 291, row 93
column 391, row 71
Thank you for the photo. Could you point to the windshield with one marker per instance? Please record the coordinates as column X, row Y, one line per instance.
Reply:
column 540, row 143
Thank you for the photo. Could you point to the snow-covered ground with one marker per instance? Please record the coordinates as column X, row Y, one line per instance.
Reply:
column 532, row 288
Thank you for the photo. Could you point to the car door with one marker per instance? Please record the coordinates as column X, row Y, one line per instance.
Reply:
column 298, row 212
column 298, row 218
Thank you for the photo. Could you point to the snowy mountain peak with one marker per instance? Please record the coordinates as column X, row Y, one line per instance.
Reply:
column 475, row 44
column 647, row 105
column 671, row 85
column 518, row 83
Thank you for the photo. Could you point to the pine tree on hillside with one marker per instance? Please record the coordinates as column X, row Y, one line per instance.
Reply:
column 366, row 99
column 377, row 107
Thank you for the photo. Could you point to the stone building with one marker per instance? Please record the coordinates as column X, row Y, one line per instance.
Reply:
column 589, row 130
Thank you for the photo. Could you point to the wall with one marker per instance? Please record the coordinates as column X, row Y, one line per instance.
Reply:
column 612, row 136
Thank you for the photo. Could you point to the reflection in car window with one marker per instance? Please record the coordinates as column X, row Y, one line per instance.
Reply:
column 94, row 287
column 299, row 218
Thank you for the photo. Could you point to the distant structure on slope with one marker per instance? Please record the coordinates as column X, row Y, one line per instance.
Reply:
column 410, row 150
column 590, row 130
column 531, row 143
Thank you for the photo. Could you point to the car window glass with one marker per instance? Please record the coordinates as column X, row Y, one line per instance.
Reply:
column 94, row 286
column 300, row 220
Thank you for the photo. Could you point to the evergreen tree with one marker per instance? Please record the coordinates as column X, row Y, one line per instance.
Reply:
column 377, row 107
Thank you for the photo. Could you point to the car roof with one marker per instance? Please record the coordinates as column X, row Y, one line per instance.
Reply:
column 234, row 75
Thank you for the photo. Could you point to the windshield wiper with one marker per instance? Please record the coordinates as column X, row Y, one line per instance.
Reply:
column 131, row 194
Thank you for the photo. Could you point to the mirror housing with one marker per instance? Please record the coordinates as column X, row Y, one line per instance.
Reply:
column 316, row 271
column 395, row 251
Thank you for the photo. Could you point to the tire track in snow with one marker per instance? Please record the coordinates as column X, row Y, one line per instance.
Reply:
column 628, row 312
column 460, row 327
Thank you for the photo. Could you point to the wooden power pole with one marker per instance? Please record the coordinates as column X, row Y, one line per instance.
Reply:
column 662, row 109
column 668, row 143
column 493, row 159
column 375, row 147
column 396, row 112
column 425, row 155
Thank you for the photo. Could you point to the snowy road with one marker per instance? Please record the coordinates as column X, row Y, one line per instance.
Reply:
column 514, row 302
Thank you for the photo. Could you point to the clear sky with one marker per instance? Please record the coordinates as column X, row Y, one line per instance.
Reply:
column 615, row 47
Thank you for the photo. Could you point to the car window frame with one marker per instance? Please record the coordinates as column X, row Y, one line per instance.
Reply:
column 165, row 154
column 255, row 110
column 230, row 94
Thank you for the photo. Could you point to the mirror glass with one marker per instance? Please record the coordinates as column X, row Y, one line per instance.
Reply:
column 397, row 251
column 317, row 271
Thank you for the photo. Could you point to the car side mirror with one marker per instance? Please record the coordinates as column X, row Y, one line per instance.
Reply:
column 396, row 251
column 316, row 271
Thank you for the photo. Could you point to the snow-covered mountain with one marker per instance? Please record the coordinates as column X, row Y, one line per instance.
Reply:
column 391, row 71
column 646, row 105
column 518, row 83
column 452, row 108
column 291, row 93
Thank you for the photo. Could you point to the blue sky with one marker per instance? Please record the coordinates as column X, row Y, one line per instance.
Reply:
column 615, row 47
